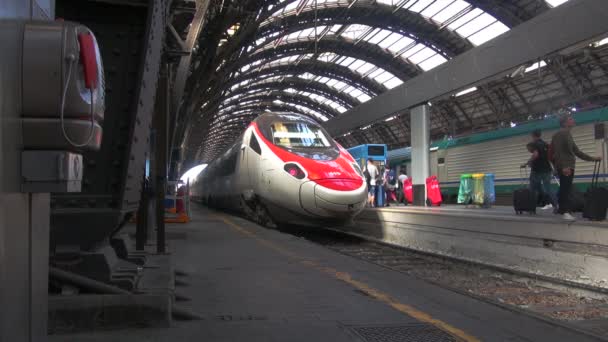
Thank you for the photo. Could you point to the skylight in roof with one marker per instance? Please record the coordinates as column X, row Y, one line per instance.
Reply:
column 449, row 12
column 459, row 14
column 250, row 97
column 488, row 33
column 432, row 62
column 555, row 3
column 475, row 25
column 466, row 91
column 354, row 31
column 422, row 55
column 378, row 36
column 535, row 66
column 395, row 43
column 393, row 82
column 601, row 42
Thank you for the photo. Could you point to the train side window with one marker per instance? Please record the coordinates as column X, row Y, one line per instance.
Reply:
column 254, row 144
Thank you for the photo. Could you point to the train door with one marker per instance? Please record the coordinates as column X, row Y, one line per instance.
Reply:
column 245, row 180
column 254, row 153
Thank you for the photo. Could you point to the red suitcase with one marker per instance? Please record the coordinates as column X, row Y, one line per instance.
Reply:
column 433, row 192
column 407, row 190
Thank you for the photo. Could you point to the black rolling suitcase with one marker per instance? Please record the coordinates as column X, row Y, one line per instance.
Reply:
column 524, row 199
column 596, row 198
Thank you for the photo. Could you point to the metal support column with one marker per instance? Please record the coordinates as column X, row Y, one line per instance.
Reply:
column 24, row 217
column 161, row 145
column 141, row 233
column 421, row 129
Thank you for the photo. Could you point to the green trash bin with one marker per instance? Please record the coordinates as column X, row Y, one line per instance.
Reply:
column 478, row 188
column 465, row 191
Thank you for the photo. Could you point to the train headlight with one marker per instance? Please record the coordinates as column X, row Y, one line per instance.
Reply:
column 358, row 169
column 294, row 170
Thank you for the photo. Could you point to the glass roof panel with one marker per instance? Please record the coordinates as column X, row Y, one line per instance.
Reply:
column 475, row 25
column 390, row 40
column 465, row 19
column 414, row 50
column 354, row 31
column 488, row 33
column 378, row 36
column 340, row 108
column 357, row 64
column 417, row 6
column 450, row 11
column 422, row 55
column 346, row 61
column 365, row 68
column 436, row 7
column 383, row 77
column 327, row 56
column 397, row 44
column 393, row 82
column 555, row 3
column 402, row 45
column 432, row 62
column 364, row 98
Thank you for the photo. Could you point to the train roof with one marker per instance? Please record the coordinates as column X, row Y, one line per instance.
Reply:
column 596, row 115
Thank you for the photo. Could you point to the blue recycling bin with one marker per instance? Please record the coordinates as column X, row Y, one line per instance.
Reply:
column 489, row 189
column 379, row 196
column 169, row 203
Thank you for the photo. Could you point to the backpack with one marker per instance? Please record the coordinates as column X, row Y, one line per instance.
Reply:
column 367, row 176
column 392, row 180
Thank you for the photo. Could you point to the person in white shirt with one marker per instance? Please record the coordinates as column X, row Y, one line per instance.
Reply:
column 373, row 175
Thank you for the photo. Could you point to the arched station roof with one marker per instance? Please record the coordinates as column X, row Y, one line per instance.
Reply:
column 324, row 57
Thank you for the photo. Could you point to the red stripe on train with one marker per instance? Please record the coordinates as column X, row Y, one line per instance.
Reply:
column 335, row 174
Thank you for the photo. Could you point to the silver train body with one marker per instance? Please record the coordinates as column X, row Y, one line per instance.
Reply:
column 284, row 168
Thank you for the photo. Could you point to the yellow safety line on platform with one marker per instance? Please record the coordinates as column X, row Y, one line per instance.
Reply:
column 346, row 277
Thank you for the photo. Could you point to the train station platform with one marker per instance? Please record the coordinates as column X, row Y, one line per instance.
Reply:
column 543, row 245
column 250, row 283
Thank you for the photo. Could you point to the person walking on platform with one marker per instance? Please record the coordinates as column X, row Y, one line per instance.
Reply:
column 390, row 185
column 373, row 176
column 563, row 152
column 540, row 176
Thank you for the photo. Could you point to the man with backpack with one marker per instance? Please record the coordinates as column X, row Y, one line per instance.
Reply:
column 390, row 185
column 540, row 175
column 563, row 153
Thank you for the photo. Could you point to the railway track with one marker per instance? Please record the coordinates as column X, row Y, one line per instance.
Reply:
column 573, row 307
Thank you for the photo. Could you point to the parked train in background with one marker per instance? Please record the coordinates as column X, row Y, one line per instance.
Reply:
column 502, row 151
column 375, row 152
column 284, row 168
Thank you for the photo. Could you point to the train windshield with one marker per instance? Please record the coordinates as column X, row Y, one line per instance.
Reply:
column 298, row 135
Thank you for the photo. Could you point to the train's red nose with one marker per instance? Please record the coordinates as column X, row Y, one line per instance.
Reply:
column 340, row 184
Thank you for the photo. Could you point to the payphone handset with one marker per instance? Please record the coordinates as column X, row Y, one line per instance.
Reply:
column 87, row 53
column 63, row 85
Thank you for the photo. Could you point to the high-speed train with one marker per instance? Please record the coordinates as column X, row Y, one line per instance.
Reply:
column 284, row 168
